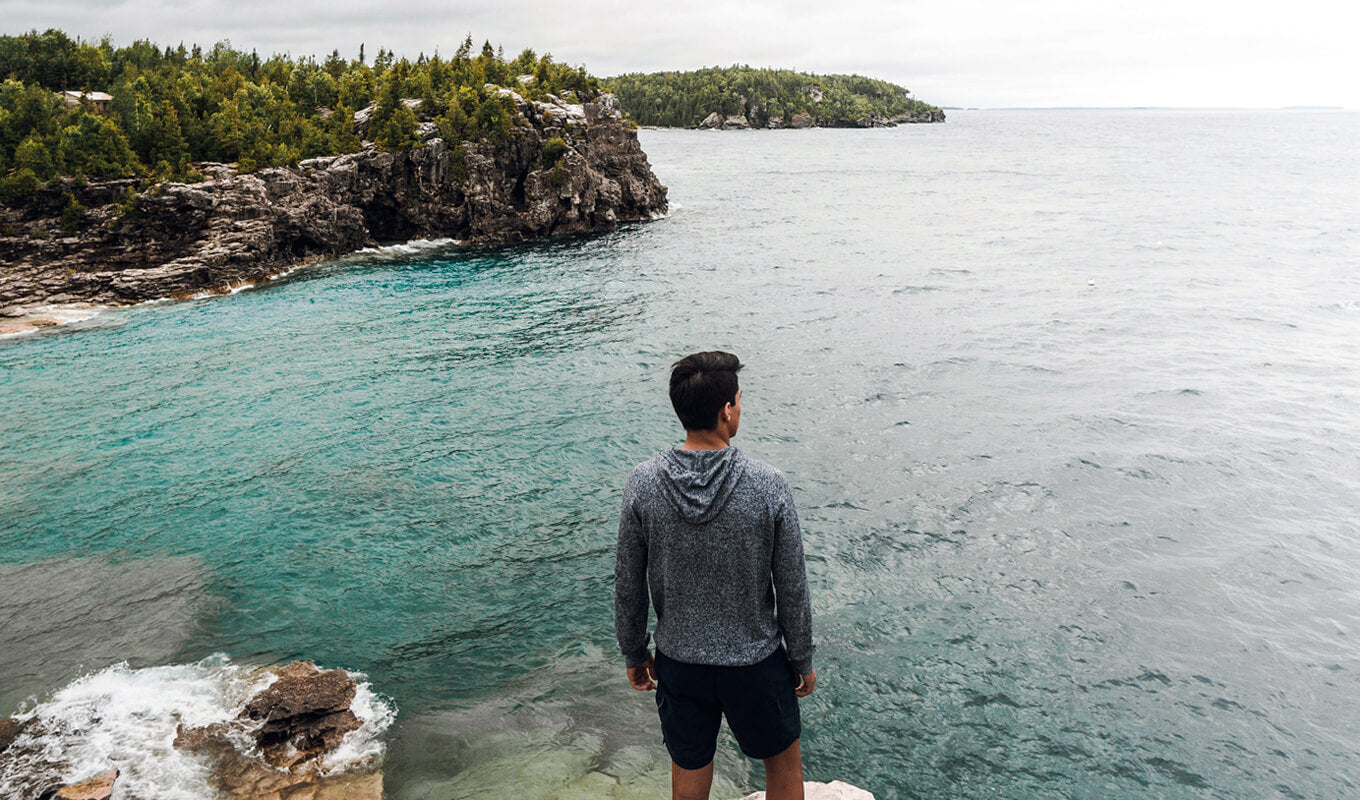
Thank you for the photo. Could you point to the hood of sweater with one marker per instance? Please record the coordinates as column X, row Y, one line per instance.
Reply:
column 698, row 483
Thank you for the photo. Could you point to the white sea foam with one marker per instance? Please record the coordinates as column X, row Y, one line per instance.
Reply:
column 37, row 318
column 127, row 719
column 408, row 248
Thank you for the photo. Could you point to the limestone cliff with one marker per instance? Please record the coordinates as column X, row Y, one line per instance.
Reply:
column 181, row 239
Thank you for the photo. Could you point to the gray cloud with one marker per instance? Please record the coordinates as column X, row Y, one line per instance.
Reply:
column 967, row 52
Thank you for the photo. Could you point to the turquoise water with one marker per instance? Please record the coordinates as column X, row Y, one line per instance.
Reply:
column 1064, row 540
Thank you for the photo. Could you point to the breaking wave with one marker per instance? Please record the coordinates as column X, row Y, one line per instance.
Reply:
column 127, row 719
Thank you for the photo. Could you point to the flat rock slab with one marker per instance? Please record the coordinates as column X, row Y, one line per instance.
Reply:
column 100, row 787
column 836, row 790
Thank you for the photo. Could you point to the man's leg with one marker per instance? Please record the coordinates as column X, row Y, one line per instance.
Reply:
column 693, row 784
column 783, row 774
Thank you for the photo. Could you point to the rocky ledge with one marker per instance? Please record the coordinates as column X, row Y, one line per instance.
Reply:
column 739, row 122
column 178, row 240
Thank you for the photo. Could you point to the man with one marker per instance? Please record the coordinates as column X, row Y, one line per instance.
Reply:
column 713, row 534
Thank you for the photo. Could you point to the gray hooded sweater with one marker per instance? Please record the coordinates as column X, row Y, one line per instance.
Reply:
column 714, row 536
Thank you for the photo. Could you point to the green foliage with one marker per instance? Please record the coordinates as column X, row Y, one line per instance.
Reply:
column 392, row 125
column 684, row 99
column 33, row 155
column 558, row 175
column 71, row 214
column 89, row 145
column 127, row 205
column 553, row 149
column 176, row 106
column 20, row 183
column 458, row 163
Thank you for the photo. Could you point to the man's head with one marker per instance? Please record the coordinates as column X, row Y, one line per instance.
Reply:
column 703, row 386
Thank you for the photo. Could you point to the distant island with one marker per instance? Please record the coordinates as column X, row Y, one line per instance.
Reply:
column 743, row 97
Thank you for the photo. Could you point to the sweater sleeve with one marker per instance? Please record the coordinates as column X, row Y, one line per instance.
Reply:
column 630, row 583
column 793, row 604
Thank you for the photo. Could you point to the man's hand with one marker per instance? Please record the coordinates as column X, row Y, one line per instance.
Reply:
column 805, row 688
column 643, row 676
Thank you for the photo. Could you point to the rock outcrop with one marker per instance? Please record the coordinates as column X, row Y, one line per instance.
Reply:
column 802, row 119
column 292, row 725
column 10, row 729
column 178, row 239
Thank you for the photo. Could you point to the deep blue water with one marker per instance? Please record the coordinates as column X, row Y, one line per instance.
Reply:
column 1064, row 540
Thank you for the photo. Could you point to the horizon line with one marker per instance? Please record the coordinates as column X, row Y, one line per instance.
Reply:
column 1147, row 108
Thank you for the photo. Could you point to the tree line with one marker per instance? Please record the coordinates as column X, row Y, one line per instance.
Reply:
column 173, row 106
column 684, row 99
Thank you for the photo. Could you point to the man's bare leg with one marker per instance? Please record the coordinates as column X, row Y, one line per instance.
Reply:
column 692, row 784
column 784, row 774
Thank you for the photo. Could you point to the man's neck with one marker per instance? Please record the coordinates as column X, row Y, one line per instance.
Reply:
column 706, row 440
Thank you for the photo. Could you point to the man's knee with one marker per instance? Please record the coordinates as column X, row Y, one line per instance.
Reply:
column 691, row 784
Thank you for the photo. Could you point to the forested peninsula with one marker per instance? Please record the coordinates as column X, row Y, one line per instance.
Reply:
column 741, row 97
column 145, row 171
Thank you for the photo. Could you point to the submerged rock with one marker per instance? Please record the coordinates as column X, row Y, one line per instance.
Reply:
column 10, row 729
column 836, row 790
column 178, row 240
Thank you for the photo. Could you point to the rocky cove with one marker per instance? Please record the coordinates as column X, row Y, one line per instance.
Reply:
column 286, row 732
column 176, row 240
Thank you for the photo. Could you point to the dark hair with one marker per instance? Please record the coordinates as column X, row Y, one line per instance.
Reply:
column 701, row 385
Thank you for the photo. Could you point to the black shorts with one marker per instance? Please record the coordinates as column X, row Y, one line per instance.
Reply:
column 758, row 701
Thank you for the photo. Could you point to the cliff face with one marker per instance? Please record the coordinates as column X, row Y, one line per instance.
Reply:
column 182, row 239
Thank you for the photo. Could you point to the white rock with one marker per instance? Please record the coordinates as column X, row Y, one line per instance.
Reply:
column 836, row 790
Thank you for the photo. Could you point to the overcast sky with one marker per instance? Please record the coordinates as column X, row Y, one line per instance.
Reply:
column 949, row 52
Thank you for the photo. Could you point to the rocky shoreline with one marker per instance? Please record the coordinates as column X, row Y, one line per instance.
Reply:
column 279, row 747
column 739, row 122
column 178, row 240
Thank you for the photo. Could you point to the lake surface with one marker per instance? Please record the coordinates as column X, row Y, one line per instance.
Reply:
column 1065, row 540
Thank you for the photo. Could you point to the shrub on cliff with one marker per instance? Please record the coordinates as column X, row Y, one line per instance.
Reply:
column 20, row 183
column 71, row 213
column 553, row 149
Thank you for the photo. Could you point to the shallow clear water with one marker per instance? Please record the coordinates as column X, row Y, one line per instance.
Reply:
column 1064, row 540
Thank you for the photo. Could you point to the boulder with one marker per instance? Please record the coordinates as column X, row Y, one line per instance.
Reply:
column 801, row 120
column 736, row 122
column 836, row 790
column 293, row 723
column 100, row 787
column 712, row 121
column 304, row 714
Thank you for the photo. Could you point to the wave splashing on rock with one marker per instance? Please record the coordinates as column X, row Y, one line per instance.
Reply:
column 130, row 719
